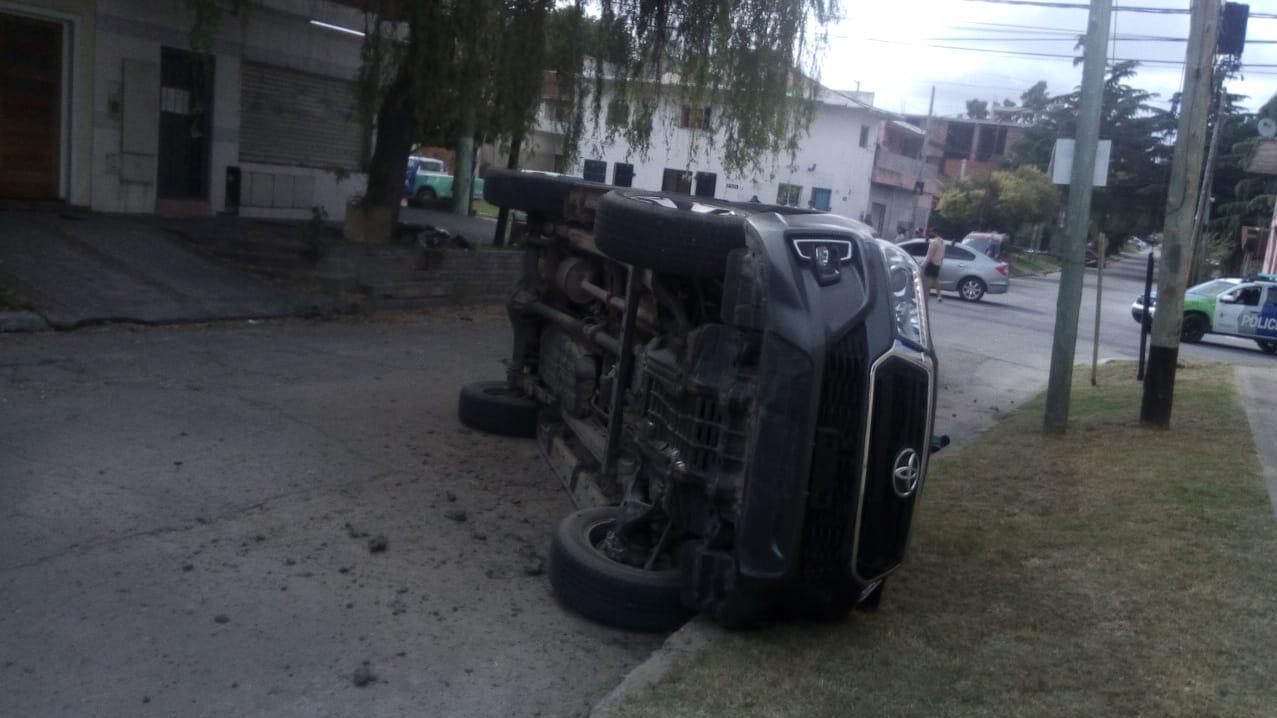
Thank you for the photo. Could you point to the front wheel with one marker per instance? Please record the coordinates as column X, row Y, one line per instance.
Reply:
column 1194, row 328
column 617, row 594
column 971, row 289
column 1268, row 346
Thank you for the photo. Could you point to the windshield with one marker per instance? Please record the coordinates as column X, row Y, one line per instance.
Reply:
column 1214, row 287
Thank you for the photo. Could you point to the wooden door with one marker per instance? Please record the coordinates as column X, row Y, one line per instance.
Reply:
column 30, row 107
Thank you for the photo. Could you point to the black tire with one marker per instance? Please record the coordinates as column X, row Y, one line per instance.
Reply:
column 1194, row 327
column 536, row 193
column 971, row 289
column 495, row 408
column 425, row 196
column 592, row 584
column 1268, row 346
column 673, row 233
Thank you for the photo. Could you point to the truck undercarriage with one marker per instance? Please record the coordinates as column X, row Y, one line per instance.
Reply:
column 738, row 398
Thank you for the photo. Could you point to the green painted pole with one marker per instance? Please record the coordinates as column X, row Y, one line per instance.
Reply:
column 1068, row 302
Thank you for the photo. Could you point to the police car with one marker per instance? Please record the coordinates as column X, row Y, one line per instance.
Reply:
column 1245, row 308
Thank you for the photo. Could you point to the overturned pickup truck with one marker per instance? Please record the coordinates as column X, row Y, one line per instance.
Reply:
column 739, row 399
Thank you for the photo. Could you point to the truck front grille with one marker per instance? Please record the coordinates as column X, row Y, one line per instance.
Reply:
column 835, row 466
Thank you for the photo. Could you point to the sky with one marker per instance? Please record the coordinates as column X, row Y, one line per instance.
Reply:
column 888, row 47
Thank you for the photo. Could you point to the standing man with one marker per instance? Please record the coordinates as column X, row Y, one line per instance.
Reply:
column 931, row 265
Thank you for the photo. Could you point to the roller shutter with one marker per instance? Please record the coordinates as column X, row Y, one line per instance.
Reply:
column 296, row 118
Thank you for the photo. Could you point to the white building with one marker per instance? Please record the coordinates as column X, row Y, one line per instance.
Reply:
column 831, row 170
column 106, row 107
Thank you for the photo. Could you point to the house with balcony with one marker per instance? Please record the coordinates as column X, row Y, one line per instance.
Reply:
column 906, row 179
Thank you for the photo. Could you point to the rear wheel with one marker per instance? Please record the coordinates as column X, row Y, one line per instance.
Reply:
column 1194, row 327
column 673, row 233
column 1269, row 346
column 591, row 583
column 495, row 408
column 425, row 196
column 536, row 193
column 971, row 289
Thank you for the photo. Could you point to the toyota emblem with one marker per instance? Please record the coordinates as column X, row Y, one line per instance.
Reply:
column 905, row 473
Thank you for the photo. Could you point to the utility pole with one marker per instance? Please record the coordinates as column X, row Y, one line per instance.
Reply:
column 1202, row 215
column 1177, row 232
column 922, row 164
column 503, row 214
column 1068, row 302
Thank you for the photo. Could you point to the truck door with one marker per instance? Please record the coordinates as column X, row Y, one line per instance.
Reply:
column 1266, row 321
column 1237, row 312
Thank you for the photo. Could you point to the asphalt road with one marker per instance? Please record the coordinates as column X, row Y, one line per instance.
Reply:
column 185, row 517
column 185, row 513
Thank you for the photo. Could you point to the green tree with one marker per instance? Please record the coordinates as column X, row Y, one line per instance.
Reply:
column 437, row 70
column 1241, row 199
column 1139, row 165
column 978, row 109
column 1005, row 200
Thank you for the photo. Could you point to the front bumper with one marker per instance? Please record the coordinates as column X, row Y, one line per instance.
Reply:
column 840, row 400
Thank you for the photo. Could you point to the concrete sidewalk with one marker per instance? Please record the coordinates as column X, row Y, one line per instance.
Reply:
column 1257, row 386
column 84, row 269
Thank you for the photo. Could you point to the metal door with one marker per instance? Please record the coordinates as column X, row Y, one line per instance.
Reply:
column 186, row 82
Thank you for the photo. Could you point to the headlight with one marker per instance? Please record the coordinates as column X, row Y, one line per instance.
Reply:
column 909, row 304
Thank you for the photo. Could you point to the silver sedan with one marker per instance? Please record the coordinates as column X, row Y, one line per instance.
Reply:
column 968, row 273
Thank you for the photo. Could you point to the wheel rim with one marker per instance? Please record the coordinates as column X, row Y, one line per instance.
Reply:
column 971, row 289
column 1193, row 328
column 597, row 532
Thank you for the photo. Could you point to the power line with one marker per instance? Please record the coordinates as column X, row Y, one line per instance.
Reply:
column 1027, row 53
column 1115, row 38
column 1122, row 8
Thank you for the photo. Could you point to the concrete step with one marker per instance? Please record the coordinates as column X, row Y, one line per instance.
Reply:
column 407, row 290
column 264, row 262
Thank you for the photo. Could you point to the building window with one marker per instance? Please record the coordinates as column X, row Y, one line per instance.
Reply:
column 864, row 135
column 673, row 180
column 820, row 198
column 595, row 171
column 706, row 183
column 694, row 118
column 789, row 194
column 622, row 174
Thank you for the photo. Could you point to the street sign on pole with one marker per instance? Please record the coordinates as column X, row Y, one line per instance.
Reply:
column 1062, row 162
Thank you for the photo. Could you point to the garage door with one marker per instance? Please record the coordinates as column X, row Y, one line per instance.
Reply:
column 297, row 118
column 30, row 107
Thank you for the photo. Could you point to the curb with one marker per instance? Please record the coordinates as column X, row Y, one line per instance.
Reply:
column 22, row 322
column 695, row 636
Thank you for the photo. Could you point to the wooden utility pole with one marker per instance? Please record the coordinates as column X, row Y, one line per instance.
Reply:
column 503, row 214
column 922, row 164
column 1069, row 300
column 1177, row 232
column 1202, row 214
column 463, row 173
